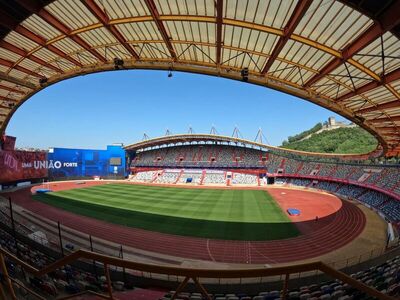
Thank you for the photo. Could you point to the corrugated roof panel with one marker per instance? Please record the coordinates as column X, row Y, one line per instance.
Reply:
column 323, row 84
column 83, row 57
column 357, row 77
column 154, row 50
column 250, row 39
column 305, row 55
column 20, row 41
column 332, row 23
column 370, row 56
column 3, row 68
column 334, row 90
column 380, row 94
column 22, row 75
column 116, row 51
column 393, row 111
column 140, row 31
column 204, row 54
column 37, row 25
column 147, row 30
column 273, row 13
column 246, row 39
column 72, row 13
column 30, row 65
column 265, row 42
column 123, row 9
column 98, row 37
column 67, row 45
column 330, row 91
column 62, row 64
column 8, row 55
column 282, row 70
column 355, row 102
column 191, row 31
column 3, row 93
column 175, row 30
column 7, row 83
column 304, row 77
column 46, row 55
column 16, row 87
column 396, row 85
column 233, row 58
column 186, row 7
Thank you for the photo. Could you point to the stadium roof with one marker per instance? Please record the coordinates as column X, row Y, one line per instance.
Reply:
column 201, row 138
column 342, row 55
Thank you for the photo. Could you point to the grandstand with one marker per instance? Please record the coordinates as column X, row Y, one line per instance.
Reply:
column 341, row 55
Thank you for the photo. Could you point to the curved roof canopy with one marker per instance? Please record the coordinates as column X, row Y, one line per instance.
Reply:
column 204, row 139
column 342, row 55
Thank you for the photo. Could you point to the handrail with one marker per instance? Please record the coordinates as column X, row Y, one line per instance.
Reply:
column 191, row 273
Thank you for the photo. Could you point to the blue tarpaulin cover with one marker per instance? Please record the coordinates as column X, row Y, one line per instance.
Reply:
column 293, row 211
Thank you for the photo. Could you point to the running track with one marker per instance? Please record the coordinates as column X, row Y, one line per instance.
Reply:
column 332, row 231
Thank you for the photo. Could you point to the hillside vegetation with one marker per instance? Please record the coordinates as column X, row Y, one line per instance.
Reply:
column 341, row 140
column 302, row 135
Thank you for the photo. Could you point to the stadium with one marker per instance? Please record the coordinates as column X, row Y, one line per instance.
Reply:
column 197, row 216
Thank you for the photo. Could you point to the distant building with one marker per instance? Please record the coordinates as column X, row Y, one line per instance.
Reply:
column 330, row 125
column 333, row 124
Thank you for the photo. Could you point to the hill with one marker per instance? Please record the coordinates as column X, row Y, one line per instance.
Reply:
column 341, row 140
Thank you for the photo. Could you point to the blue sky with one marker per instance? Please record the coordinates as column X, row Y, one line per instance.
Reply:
column 95, row 110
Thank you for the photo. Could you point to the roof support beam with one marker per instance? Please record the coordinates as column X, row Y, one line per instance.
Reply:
column 2, row 98
column 385, row 119
column 156, row 17
column 6, row 77
column 10, row 23
column 53, row 21
column 385, row 128
column 387, row 105
column 298, row 13
column 7, row 88
column 34, row 7
column 386, row 79
column 219, row 9
column 103, row 18
column 42, row 42
column 4, row 106
column 387, row 21
column 393, row 91
column 11, row 64
column 25, row 54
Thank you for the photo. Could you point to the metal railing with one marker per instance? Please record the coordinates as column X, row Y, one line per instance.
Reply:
column 186, row 273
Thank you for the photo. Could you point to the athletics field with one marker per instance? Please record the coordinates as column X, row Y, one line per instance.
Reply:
column 208, row 213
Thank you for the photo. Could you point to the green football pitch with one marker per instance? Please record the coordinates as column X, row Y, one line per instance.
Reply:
column 209, row 213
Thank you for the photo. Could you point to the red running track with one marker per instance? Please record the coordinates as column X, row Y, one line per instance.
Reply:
column 340, row 222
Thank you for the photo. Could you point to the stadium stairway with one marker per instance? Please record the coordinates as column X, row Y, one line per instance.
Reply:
column 333, row 172
column 156, row 175
column 203, row 176
column 179, row 176
column 299, row 168
column 352, row 171
column 282, row 164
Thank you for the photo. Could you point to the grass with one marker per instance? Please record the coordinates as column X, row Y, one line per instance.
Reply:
column 209, row 213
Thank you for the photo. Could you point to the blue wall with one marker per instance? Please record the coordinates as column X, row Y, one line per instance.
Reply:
column 85, row 163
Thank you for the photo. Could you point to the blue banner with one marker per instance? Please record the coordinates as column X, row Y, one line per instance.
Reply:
column 77, row 163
